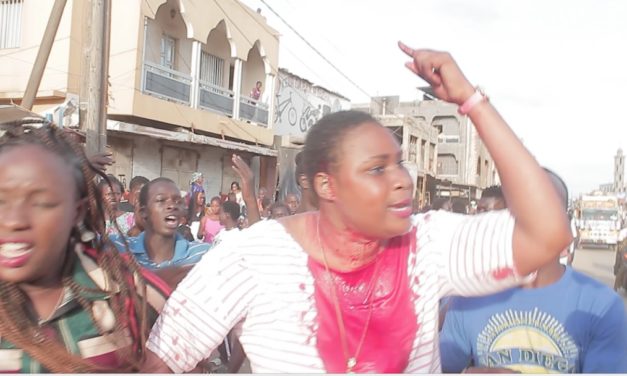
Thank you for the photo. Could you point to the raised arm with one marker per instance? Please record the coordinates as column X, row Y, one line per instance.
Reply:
column 248, row 189
column 542, row 228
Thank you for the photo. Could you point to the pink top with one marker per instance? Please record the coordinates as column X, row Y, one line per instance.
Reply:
column 211, row 229
column 391, row 331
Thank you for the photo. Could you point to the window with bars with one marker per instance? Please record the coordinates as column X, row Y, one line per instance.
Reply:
column 168, row 50
column 10, row 23
column 211, row 69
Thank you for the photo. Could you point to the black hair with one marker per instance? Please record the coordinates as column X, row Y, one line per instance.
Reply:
column 323, row 139
column 232, row 209
column 136, row 181
column 143, row 194
column 128, row 306
column 300, row 168
column 214, row 198
column 193, row 206
column 278, row 205
column 459, row 206
column 493, row 191
column 266, row 202
column 439, row 202
column 110, row 181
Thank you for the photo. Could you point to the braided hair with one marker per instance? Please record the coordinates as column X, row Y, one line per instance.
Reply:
column 128, row 306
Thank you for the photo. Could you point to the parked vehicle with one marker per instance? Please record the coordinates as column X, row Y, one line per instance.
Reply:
column 600, row 220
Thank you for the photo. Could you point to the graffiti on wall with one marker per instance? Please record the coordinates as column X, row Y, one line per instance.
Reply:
column 296, row 111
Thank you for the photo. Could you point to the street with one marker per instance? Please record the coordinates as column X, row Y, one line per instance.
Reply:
column 598, row 263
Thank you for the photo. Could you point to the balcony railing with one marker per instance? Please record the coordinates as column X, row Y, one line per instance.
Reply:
column 171, row 85
column 167, row 83
column 254, row 111
column 215, row 98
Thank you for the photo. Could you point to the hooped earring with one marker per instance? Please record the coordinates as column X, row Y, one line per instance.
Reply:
column 85, row 234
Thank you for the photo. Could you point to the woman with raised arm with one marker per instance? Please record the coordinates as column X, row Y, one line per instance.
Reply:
column 355, row 286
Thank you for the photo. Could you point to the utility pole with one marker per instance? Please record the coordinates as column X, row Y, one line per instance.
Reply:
column 95, row 73
column 42, row 54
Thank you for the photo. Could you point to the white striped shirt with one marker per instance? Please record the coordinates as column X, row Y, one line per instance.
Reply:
column 260, row 284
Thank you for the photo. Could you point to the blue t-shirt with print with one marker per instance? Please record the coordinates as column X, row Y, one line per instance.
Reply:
column 185, row 252
column 573, row 325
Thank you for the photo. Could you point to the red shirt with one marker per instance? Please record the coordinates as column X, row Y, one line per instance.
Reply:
column 393, row 325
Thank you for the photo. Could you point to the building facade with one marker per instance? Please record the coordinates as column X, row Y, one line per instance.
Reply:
column 463, row 166
column 418, row 140
column 181, row 75
column 619, row 172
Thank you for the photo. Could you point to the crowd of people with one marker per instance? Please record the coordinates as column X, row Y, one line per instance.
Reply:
column 343, row 276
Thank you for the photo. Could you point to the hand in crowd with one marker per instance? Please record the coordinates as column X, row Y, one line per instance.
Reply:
column 245, row 173
column 247, row 180
column 102, row 160
column 441, row 71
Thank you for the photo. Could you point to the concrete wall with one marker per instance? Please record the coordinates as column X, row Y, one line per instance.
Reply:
column 17, row 63
column 145, row 158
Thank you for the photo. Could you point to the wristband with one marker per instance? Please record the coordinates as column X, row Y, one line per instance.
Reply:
column 471, row 102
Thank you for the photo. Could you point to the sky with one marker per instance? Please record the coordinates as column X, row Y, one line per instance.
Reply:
column 556, row 70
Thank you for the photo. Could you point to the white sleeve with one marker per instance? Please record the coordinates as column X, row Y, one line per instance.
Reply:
column 205, row 306
column 473, row 254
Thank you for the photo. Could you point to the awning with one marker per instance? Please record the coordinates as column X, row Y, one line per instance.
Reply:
column 186, row 136
column 11, row 113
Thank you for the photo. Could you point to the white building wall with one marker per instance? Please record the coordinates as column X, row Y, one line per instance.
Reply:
column 147, row 158
column 210, row 165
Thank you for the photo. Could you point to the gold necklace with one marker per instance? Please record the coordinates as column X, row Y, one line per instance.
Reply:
column 351, row 361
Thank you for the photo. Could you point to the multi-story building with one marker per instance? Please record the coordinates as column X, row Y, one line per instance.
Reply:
column 619, row 172
column 464, row 167
column 180, row 77
column 418, row 139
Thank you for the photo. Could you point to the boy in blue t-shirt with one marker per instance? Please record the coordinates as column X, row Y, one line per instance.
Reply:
column 562, row 322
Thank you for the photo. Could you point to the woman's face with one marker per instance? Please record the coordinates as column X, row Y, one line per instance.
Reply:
column 164, row 208
column 372, row 190
column 214, row 207
column 38, row 209
column 234, row 187
column 112, row 197
column 200, row 199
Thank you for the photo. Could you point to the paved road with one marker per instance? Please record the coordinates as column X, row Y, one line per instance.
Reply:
column 598, row 263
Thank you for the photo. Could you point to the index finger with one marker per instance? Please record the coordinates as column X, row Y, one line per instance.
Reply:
column 406, row 49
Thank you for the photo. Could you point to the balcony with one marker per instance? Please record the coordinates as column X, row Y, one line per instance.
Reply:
column 167, row 83
column 205, row 72
column 253, row 111
column 215, row 98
